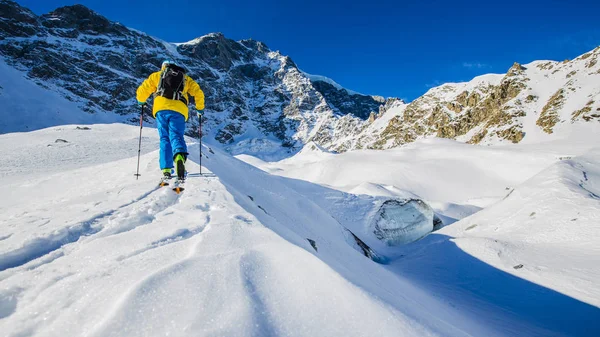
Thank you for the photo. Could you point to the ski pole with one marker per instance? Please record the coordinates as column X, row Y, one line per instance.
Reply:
column 200, row 139
column 137, row 175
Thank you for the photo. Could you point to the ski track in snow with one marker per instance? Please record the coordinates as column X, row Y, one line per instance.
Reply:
column 122, row 220
column 138, row 212
column 41, row 246
column 184, row 272
column 179, row 235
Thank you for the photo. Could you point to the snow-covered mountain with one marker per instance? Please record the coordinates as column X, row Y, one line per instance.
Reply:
column 539, row 101
column 260, row 103
column 257, row 100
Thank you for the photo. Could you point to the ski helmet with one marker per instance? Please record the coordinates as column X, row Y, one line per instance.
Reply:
column 166, row 63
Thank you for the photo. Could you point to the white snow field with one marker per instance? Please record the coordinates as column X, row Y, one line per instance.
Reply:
column 521, row 248
column 88, row 250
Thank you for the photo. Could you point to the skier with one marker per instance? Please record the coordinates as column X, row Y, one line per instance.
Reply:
column 171, row 87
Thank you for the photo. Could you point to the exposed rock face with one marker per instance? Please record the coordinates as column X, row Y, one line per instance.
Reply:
column 549, row 115
column 259, row 102
column 584, row 113
column 71, row 21
column 16, row 21
column 346, row 103
column 493, row 108
column 482, row 106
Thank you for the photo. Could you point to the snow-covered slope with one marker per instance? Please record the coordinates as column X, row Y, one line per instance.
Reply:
column 520, row 243
column 88, row 250
column 455, row 178
column 27, row 106
column 545, row 232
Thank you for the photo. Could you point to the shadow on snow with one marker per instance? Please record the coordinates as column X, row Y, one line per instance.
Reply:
column 509, row 304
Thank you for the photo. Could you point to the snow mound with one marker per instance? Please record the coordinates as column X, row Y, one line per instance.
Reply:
column 556, row 205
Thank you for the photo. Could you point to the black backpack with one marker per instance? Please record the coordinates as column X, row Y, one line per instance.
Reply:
column 172, row 81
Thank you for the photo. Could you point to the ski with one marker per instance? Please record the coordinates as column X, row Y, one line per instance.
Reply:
column 178, row 186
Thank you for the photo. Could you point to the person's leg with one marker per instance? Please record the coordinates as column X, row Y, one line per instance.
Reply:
column 176, row 134
column 166, row 152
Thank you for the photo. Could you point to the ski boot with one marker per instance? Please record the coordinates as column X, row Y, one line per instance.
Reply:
column 164, row 181
column 180, row 169
column 180, row 166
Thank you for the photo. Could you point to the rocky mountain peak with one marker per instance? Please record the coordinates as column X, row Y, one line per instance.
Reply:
column 516, row 69
column 217, row 51
column 12, row 10
column 379, row 99
column 346, row 102
column 530, row 102
column 256, row 45
column 16, row 21
column 80, row 19
column 257, row 100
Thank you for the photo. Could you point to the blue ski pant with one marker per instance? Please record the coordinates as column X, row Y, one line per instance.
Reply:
column 171, row 127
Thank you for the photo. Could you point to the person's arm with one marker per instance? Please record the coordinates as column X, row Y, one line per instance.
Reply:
column 194, row 90
column 148, row 87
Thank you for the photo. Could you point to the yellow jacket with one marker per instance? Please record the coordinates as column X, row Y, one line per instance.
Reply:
column 150, row 85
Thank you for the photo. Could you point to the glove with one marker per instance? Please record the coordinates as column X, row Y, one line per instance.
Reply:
column 200, row 113
column 141, row 103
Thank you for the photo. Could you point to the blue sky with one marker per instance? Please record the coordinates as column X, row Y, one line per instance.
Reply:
column 380, row 47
